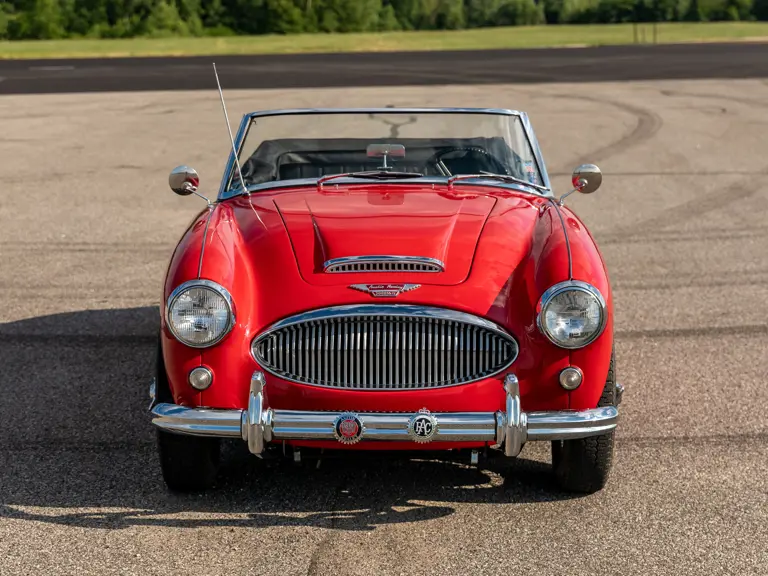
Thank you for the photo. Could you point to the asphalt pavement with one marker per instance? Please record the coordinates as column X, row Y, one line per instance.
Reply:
column 88, row 226
column 540, row 65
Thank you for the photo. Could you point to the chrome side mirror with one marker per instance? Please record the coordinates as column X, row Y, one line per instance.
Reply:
column 586, row 179
column 184, row 181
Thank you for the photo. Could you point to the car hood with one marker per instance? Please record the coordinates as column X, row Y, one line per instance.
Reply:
column 384, row 220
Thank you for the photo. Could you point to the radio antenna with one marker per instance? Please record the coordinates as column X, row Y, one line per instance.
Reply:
column 229, row 130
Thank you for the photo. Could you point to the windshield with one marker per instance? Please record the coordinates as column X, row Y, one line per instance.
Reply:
column 299, row 146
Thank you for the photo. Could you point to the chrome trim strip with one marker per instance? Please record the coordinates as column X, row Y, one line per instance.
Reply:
column 223, row 292
column 403, row 310
column 205, row 236
column 534, row 142
column 259, row 425
column 563, row 287
column 432, row 110
column 383, row 259
column 565, row 234
column 242, row 132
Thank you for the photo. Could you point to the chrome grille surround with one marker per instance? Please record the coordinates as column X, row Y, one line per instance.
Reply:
column 384, row 347
column 383, row 264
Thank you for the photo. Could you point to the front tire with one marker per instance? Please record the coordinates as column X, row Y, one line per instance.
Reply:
column 189, row 463
column 583, row 465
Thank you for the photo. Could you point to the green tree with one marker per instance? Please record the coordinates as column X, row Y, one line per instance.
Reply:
column 694, row 13
column 347, row 15
column 552, row 10
column 450, row 15
column 245, row 16
column 408, row 12
column 163, row 20
column 441, row 15
column 388, row 18
column 283, row 17
column 482, row 12
column 128, row 18
column 615, row 11
column 4, row 19
column 520, row 13
column 42, row 20
column 739, row 9
column 579, row 11
column 760, row 9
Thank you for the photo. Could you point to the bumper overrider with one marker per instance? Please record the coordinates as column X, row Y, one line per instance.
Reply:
column 509, row 429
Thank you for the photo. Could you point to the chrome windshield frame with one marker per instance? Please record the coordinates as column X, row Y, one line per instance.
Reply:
column 225, row 192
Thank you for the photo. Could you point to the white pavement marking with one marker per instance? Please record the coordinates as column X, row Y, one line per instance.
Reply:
column 51, row 68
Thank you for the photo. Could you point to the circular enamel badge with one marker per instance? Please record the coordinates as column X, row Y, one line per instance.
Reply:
column 348, row 428
column 422, row 427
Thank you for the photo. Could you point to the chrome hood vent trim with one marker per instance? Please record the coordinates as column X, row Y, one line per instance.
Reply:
column 383, row 264
column 384, row 347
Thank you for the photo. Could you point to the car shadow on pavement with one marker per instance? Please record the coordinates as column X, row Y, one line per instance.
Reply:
column 77, row 448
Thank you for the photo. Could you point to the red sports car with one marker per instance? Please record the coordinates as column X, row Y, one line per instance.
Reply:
column 386, row 279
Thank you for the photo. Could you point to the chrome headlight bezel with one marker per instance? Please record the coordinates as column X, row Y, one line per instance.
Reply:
column 567, row 286
column 210, row 285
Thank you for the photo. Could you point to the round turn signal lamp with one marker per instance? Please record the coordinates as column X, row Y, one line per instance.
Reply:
column 200, row 378
column 570, row 378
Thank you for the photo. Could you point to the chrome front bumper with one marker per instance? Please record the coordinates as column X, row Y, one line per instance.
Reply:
column 509, row 429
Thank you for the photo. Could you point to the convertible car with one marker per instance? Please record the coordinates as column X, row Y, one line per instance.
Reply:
column 386, row 279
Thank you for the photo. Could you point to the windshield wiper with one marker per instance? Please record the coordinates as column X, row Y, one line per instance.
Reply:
column 371, row 174
column 502, row 177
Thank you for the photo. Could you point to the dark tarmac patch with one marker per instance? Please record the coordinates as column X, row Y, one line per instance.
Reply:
column 540, row 65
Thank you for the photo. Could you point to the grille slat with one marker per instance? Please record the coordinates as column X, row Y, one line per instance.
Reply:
column 385, row 351
column 346, row 360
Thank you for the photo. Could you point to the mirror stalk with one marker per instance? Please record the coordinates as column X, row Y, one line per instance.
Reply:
column 204, row 198
column 562, row 198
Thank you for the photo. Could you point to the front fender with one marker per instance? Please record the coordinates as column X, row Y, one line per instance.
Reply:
column 593, row 360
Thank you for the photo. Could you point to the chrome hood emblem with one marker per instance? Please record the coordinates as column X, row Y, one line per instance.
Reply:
column 385, row 290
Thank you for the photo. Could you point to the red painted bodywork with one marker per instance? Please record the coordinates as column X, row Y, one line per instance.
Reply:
column 502, row 249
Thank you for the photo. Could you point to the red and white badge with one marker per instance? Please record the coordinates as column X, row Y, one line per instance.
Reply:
column 348, row 428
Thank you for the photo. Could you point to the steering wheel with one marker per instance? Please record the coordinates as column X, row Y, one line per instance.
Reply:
column 437, row 159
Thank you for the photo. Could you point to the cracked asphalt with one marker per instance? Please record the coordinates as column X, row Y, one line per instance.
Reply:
column 87, row 226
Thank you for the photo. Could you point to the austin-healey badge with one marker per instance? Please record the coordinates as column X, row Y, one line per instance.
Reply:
column 385, row 290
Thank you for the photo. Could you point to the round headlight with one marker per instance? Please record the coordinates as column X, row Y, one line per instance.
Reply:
column 571, row 314
column 200, row 313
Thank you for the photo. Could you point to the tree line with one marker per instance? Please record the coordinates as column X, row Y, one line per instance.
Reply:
column 46, row 19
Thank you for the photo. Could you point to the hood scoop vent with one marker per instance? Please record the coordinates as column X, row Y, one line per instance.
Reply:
column 383, row 264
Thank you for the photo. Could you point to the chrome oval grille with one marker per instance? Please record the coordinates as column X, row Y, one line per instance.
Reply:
column 373, row 347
